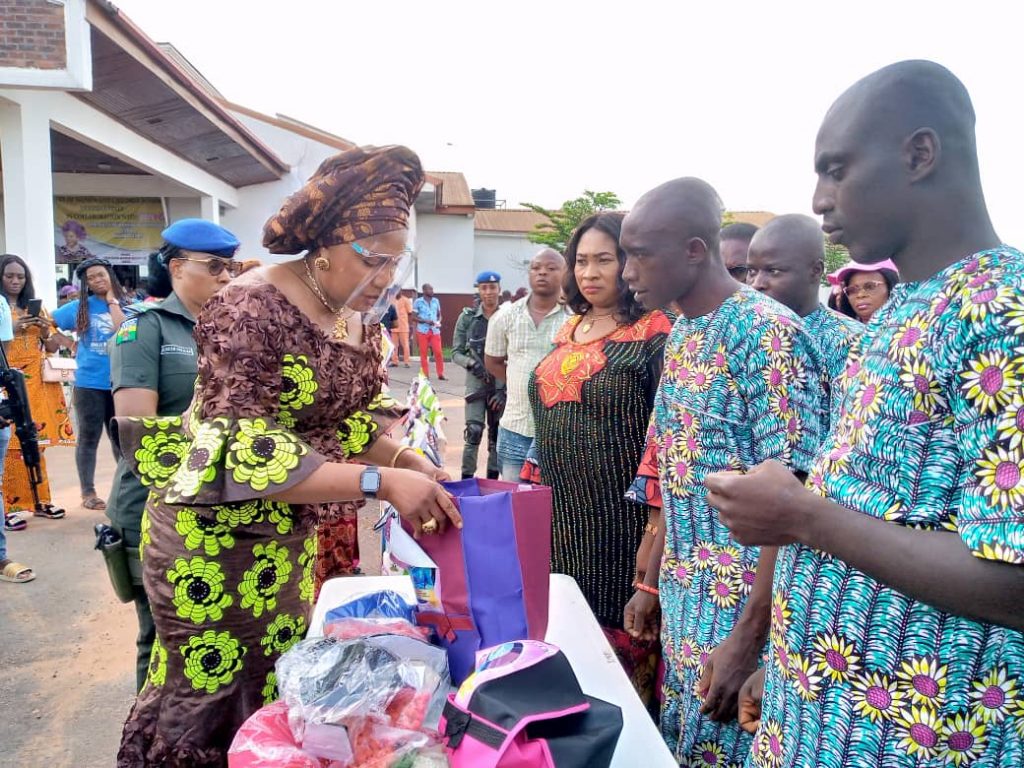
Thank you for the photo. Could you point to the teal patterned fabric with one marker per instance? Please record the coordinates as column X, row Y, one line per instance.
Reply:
column 835, row 334
column 930, row 435
column 741, row 385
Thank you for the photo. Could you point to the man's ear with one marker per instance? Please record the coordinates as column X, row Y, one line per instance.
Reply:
column 818, row 270
column 696, row 249
column 921, row 152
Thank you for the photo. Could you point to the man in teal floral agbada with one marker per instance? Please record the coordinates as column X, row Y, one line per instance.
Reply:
column 897, row 634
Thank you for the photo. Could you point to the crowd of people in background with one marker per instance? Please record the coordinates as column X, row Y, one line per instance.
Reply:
column 791, row 517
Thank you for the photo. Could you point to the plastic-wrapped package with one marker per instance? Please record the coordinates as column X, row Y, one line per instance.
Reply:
column 383, row 604
column 373, row 696
column 266, row 741
column 347, row 629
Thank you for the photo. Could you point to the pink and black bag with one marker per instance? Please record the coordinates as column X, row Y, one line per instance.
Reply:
column 523, row 708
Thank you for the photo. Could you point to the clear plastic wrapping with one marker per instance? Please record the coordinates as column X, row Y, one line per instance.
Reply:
column 368, row 694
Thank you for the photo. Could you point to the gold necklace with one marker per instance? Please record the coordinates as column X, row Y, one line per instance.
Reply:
column 588, row 323
column 341, row 323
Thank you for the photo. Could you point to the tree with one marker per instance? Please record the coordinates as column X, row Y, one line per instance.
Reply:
column 562, row 222
column 835, row 257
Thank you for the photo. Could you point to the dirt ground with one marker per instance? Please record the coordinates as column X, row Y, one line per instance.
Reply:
column 68, row 645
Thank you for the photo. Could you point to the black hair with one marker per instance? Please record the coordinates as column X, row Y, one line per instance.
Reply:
column 28, row 290
column 159, row 273
column 82, row 317
column 842, row 303
column 610, row 223
column 738, row 230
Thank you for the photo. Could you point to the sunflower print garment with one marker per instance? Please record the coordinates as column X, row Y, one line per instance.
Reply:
column 228, row 570
column 834, row 333
column 930, row 435
column 741, row 385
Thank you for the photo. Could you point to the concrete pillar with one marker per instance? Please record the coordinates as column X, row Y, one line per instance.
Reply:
column 28, row 193
column 209, row 208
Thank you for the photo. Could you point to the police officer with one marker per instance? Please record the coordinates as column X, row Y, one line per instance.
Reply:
column 153, row 368
column 485, row 400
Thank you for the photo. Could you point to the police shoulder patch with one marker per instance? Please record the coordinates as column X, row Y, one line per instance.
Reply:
column 128, row 331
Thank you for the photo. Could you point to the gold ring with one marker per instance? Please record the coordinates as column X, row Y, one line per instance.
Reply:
column 430, row 526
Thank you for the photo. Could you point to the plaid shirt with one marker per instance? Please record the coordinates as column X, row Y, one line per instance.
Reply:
column 511, row 334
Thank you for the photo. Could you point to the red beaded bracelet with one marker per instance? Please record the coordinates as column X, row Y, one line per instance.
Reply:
column 645, row 588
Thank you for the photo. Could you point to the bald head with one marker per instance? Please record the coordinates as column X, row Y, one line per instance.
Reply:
column 548, row 255
column 671, row 243
column 897, row 168
column 679, row 209
column 786, row 261
column 889, row 105
column 797, row 238
column 547, row 268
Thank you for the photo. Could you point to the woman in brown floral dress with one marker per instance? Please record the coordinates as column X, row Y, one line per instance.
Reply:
column 289, row 390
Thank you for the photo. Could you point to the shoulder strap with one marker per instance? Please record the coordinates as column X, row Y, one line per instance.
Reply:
column 458, row 724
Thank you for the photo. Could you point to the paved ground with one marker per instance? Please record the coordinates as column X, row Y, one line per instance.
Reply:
column 67, row 647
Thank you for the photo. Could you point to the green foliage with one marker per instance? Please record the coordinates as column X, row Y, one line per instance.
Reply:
column 835, row 257
column 562, row 222
column 728, row 217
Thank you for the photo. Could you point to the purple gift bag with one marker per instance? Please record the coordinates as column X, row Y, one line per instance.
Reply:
column 492, row 578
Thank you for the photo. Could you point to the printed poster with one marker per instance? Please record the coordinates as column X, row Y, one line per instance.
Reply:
column 122, row 230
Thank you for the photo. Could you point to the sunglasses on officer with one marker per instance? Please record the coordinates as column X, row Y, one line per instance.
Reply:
column 215, row 265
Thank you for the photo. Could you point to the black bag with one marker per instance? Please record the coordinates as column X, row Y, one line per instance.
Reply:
column 524, row 706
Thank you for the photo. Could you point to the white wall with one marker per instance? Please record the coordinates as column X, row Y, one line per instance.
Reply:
column 182, row 208
column 444, row 245
column 507, row 253
column 259, row 202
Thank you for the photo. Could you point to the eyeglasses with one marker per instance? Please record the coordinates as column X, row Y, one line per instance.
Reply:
column 871, row 286
column 215, row 265
column 739, row 272
column 376, row 260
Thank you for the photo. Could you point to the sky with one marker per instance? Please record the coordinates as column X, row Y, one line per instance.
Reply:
column 542, row 100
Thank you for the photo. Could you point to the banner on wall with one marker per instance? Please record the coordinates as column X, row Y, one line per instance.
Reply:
column 122, row 230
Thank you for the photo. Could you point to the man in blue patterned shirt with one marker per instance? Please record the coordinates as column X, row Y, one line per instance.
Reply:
column 897, row 634
column 786, row 260
column 742, row 383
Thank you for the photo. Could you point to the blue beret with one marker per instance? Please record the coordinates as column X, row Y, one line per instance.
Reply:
column 488, row 277
column 202, row 236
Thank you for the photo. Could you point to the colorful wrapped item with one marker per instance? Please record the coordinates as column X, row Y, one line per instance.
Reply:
column 523, row 706
column 424, row 429
column 424, row 433
column 366, row 695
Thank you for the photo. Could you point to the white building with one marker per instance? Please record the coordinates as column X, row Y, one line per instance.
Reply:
column 501, row 242
column 90, row 106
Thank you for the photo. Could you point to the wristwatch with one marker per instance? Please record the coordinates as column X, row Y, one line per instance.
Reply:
column 369, row 482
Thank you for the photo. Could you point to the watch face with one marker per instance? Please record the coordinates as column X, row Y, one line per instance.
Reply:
column 369, row 481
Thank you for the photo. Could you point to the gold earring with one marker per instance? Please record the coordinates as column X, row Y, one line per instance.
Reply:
column 322, row 263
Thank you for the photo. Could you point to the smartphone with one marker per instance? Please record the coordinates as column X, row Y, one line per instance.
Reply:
column 35, row 306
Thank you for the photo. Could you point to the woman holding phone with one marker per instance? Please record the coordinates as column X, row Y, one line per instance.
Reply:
column 34, row 338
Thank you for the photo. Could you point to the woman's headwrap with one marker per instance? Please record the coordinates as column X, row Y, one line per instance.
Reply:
column 360, row 193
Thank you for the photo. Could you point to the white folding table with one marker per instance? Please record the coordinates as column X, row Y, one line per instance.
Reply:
column 573, row 628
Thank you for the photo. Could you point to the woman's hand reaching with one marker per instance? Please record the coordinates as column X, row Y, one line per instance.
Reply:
column 418, row 499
